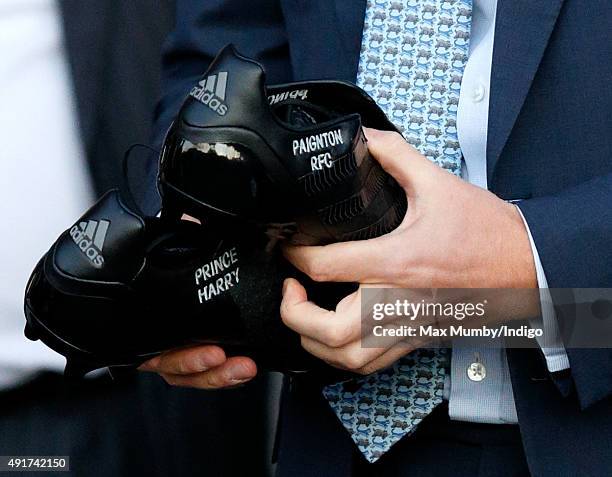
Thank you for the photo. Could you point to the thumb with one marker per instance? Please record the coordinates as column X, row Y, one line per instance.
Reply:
column 403, row 162
column 293, row 292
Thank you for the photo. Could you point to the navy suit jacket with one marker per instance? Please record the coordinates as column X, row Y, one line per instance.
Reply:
column 113, row 50
column 549, row 143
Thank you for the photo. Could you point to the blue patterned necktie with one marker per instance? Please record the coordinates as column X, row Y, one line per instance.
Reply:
column 413, row 55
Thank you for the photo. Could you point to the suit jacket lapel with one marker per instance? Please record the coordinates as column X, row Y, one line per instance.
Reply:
column 523, row 28
column 325, row 37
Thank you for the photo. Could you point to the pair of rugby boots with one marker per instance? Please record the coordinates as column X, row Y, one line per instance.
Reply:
column 254, row 164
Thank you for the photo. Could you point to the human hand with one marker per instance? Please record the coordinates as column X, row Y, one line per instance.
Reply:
column 203, row 367
column 454, row 235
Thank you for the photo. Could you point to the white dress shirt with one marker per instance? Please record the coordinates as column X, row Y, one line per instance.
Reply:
column 491, row 399
column 44, row 185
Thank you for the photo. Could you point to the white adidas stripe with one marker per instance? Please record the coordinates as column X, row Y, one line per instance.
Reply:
column 96, row 231
column 216, row 84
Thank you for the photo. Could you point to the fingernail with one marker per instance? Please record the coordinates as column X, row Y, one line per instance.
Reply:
column 236, row 382
column 285, row 285
column 240, row 373
column 368, row 132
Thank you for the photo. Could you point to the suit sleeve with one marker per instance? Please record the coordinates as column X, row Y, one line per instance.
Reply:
column 255, row 27
column 552, row 346
column 573, row 234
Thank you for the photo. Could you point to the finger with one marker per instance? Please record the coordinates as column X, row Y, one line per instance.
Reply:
column 364, row 261
column 234, row 371
column 402, row 161
column 387, row 358
column 365, row 355
column 190, row 360
column 309, row 320
column 189, row 218
column 351, row 357
column 357, row 359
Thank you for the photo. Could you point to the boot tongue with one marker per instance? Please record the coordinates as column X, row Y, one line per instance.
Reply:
column 230, row 93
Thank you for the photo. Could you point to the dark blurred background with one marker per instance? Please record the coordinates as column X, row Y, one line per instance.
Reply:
column 79, row 80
